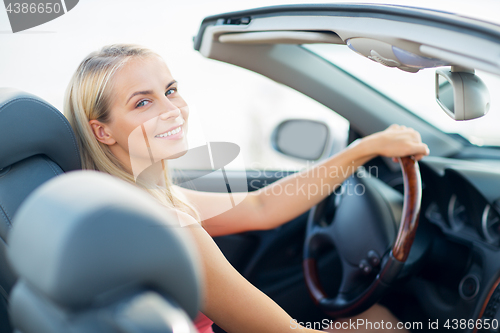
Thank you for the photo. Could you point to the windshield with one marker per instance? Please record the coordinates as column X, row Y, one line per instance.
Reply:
column 416, row 92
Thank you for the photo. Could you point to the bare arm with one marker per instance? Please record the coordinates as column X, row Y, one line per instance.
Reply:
column 230, row 300
column 275, row 204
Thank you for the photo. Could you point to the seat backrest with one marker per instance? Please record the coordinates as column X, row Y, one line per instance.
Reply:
column 95, row 254
column 36, row 144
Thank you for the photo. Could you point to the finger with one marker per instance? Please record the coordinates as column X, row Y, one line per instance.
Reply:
column 415, row 134
column 420, row 149
column 394, row 126
column 418, row 157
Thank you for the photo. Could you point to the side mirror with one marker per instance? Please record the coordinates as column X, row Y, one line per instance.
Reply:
column 461, row 93
column 301, row 138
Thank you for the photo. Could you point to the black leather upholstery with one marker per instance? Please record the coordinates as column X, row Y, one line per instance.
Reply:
column 18, row 181
column 87, row 261
column 36, row 144
column 93, row 252
column 30, row 126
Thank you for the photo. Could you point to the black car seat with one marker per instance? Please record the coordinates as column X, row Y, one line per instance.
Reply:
column 95, row 254
column 36, row 144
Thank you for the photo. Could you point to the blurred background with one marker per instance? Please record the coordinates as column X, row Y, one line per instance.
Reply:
column 227, row 103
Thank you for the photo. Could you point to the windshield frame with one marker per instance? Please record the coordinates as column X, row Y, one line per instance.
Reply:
column 453, row 135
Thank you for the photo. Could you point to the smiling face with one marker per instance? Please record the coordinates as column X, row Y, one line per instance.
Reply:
column 148, row 117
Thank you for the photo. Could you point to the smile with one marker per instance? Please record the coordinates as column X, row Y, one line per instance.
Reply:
column 169, row 133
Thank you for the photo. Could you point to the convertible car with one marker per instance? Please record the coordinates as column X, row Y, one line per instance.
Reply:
column 422, row 238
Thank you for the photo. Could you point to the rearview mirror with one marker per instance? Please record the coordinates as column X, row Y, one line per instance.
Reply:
column 461, row 93
column 301, row 138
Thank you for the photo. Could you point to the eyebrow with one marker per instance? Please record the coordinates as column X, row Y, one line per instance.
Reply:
column 147, row 92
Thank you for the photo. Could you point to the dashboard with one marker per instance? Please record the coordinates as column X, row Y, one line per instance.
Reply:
column 461, row 201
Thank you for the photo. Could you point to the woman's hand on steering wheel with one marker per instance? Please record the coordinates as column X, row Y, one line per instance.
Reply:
column 397, row 141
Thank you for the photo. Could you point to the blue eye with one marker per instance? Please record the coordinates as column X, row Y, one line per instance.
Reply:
column 141, row 103
column 170, row 91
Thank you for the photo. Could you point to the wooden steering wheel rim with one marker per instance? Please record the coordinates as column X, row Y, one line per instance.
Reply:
column 411, row 208
column 400, row 250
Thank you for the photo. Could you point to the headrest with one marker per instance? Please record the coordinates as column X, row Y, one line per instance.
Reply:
column 84, row 234
column 30, row 126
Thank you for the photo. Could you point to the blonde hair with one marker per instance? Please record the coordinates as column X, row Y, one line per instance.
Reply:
column 88, row 98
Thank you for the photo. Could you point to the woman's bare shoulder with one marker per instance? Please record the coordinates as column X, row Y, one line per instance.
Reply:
column 183, row 218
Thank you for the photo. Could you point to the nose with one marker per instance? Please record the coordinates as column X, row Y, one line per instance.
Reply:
column 169, row 110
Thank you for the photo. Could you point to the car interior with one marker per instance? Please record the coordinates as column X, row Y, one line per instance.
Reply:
column 105, row 261
column 423, row 239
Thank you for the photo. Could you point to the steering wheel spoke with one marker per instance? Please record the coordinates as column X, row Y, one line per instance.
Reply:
column 351, row 278
column 362, row 231
column 317, row 238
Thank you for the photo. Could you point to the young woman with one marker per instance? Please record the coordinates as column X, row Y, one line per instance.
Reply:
column 129, row 118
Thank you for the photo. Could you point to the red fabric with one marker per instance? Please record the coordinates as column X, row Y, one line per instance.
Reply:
column 203, row 324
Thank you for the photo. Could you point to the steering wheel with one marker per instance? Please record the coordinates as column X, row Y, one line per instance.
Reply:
column 362, row 231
